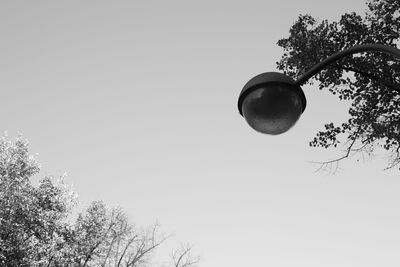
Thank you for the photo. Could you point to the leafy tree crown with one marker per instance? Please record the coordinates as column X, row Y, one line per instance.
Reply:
column 371, row 81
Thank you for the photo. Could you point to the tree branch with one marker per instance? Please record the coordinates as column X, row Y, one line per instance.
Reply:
column 337, row 160
column 369, row 76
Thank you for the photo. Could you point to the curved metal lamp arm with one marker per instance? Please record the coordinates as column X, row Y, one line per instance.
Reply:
column 353, row 50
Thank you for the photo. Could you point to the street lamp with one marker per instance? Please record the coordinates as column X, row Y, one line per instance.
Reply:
column 272, row 102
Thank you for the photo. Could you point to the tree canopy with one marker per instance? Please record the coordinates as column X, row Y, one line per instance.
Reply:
column 35, row 230
column 370, row 81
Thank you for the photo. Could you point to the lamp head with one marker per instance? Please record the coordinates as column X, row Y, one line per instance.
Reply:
column 271, row 103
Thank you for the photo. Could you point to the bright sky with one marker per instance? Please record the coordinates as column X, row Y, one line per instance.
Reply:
column 136, row 101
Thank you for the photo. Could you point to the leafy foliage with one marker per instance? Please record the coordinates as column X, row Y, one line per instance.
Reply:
column 31, row 218
column 371, row 81
column 34, row 230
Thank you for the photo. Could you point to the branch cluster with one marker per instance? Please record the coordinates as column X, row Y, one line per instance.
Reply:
column 35, row 230
column 370, row 81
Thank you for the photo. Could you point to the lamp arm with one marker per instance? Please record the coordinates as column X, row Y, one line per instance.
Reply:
column 352, row 50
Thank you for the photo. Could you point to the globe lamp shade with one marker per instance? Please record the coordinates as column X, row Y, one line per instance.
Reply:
column 271, row 103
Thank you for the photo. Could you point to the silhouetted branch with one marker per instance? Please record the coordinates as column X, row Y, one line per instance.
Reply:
column 183, row 257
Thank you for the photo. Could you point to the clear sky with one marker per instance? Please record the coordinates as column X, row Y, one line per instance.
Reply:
column 136, row 101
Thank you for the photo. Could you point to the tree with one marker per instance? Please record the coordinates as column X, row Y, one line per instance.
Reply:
column 104, row 237
column 31, row 218
column 370, row 81
column 34, row 230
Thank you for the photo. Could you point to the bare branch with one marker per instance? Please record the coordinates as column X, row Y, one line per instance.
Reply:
column 328, row 165
column 148, row 243
column 129, row 243
column 183, row 257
